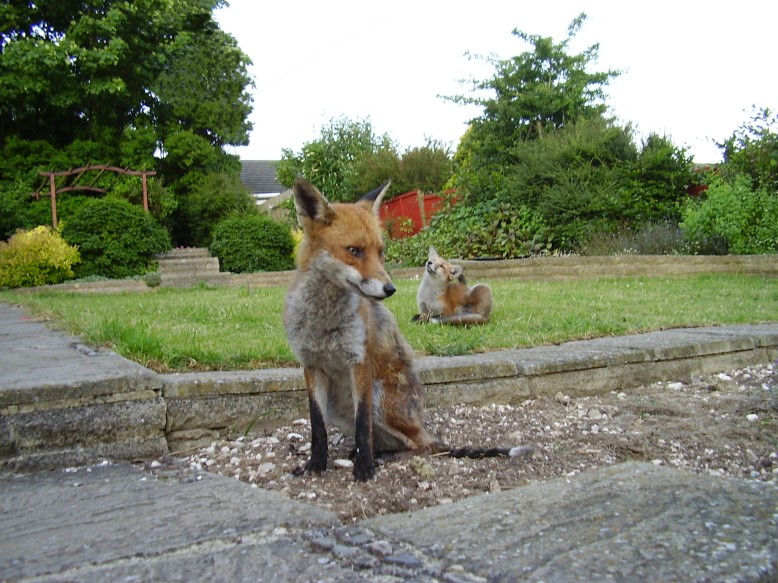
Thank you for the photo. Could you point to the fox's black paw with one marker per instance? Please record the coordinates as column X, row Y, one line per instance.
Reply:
column 311, row 467
column 364, row 472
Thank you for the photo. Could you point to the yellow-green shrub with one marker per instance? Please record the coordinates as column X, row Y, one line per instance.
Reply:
column 36, row 257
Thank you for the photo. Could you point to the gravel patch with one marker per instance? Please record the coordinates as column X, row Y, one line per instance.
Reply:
column 723, row 425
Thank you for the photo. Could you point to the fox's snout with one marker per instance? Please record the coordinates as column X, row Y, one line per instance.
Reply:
column 375, row 288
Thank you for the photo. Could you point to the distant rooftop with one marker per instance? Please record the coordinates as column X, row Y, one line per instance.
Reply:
column 259, row 177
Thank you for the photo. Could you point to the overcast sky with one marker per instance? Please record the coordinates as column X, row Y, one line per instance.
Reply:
column 691, row 70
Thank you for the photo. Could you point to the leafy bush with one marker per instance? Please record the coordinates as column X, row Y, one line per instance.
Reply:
column 115, row 238
column 745, row 219
column 488, row 229
column 36, row 257
column 250, row 242
column 152, row 279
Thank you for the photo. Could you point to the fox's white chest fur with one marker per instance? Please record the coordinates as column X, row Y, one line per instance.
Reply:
column 322, row 324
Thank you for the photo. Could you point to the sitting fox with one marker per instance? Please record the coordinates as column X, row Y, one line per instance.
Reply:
column 445, row 298
column 358, row 368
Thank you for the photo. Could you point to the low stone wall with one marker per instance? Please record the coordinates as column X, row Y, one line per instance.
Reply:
column 98, row 405
column 537, row 268
column 576, row 267
column 203, row 406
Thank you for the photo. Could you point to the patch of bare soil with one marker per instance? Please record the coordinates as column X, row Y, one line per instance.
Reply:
column 722, row 425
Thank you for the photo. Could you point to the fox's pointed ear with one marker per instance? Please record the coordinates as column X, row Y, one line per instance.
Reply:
column 310, row 203
column 432, row 253
column 375, row 196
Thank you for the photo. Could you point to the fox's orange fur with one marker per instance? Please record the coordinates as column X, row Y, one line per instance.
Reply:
column 445, row 297
column 358, row 368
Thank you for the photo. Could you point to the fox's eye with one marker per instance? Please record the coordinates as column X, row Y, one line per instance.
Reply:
column 356, row 252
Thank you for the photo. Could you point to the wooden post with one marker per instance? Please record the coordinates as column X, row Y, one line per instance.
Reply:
column 422, row 213
column 53, row 186
column 145, row 193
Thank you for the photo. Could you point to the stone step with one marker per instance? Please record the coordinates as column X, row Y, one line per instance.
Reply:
column 198, row 264
column 189, row 267
column 185, row 252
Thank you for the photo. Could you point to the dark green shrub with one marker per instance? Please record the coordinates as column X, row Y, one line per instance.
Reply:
column 250, row 242
column 115, row 238
column 657, row 182
column 213, row 197
column 36, row 257
column 746, row 219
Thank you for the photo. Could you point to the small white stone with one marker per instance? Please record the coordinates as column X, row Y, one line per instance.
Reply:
column 752, row 417
column 343, row 463
column 724, row 377
column 675, row 386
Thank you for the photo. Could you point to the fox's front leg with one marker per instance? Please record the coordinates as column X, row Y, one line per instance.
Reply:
column 364, row 466
column 318, row 461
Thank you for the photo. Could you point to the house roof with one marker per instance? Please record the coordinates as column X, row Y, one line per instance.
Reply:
column 259, row 177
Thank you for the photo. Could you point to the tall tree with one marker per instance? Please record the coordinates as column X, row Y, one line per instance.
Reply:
column 336, row 161
column 90, row 70
column 752, row 150
column 426, row 168
column 142, row 82
column 541, row 89
column 349, row 159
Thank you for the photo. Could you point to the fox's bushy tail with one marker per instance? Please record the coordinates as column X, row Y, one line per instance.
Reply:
column 481, row 452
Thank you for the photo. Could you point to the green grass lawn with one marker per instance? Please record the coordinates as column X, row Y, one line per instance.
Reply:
column 235, row 328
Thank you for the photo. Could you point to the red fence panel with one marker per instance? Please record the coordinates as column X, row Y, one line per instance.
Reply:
column 407, row 214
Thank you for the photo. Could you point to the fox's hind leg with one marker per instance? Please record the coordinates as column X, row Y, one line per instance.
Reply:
column 364, row 465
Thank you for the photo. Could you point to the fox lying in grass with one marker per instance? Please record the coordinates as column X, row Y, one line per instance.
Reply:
column 358, row 368
column 445, row 298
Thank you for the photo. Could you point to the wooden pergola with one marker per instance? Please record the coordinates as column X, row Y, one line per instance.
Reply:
column 71, row 185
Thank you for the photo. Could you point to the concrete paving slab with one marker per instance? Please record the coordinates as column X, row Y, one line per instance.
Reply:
column 631, row 522
column 40, row 364
column 111, row 521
